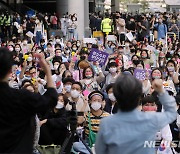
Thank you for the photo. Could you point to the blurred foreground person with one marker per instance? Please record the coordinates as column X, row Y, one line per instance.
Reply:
column 128, row 131
column 19, row 107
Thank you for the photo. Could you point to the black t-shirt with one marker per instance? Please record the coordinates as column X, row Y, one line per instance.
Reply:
column 17, row 112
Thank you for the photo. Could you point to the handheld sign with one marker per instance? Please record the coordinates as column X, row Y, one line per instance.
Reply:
column 90, row 40
column 98, row 56
column 130, row 36
column 140, row 74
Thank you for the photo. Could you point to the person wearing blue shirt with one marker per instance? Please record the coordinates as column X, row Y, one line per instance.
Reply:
column 161, row 28
column 129, row 130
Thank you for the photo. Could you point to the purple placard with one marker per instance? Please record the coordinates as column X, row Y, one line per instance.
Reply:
column 142, row 74
column 98, row 56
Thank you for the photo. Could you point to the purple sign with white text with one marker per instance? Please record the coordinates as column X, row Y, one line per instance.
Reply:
column 98, row 56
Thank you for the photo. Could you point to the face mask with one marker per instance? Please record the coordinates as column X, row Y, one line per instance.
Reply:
column 112, row 47
column 78, row 44
column 112, row 69
column 67, row 51
column 144, row 57
column 29, row 59
column 95, row 106
column 46, row 18
column 112, row 97
column 156, row 77
column 58, row 40
column 56, row 67
column 149, row 108
column 170, row 69
column 59, row 105
column 17, row 49
column 132, row 50
column 88, row 75
column 75, row 93
column 135, row 62
column 74, row 49
column 11, row 49
column 172, row 52
column 67, row 88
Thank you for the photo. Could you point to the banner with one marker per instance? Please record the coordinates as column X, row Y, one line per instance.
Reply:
column 98, row 56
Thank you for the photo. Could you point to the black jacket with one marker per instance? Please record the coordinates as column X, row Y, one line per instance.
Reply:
column 54, row 131
column 17, row 112
column 108, row 107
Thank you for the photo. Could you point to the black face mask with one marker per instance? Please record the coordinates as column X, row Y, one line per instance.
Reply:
column 132, row 50
column 135, row 62
column 83, row 57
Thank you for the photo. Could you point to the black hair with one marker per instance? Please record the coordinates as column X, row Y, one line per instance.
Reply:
column 109, row 87
column 146, row 53
column 158, row 70
column 76, row 82
column 140, row 62
column 33, row 67
column 84, row 72
column 112, row 64
column 171, row 61
column 6, row 62
column 148, row 99
column 65, row 80
column 127, row 90
column 25, row 81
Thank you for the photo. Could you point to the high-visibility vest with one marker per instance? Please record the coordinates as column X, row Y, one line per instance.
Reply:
column 106, row 25
column 7, row 21
column 1, row 21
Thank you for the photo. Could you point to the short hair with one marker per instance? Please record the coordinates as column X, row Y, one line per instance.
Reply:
column 171, row 61
column 65, row 80
column 76, row 82
column 140, row 62
column 109, row 87
column 127, row 90
column 6, row 62
column 148, row 99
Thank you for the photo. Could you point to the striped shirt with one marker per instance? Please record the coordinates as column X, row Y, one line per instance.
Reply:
column 95, row 122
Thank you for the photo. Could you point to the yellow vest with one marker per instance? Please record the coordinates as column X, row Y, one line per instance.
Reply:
column 8, row 21
column 106, row 25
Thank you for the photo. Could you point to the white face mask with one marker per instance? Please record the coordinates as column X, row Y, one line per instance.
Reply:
column 17, row 49
column 67, row 88
column 11, row 49
column 29, row 59
column 56, row 67
column 112, row 69
column 59, row 105
column 95, row 106
column 46, row 18
column 75, row 93
column 112, row 97
column 58, row 40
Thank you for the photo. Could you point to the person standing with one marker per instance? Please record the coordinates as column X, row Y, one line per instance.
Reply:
column 106, row 25
column 19, row 107
column 162, row 29
column 128, row 131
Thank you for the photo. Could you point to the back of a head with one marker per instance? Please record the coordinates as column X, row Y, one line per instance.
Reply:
column 6, row 62
column 107, row 15
column 127, row 90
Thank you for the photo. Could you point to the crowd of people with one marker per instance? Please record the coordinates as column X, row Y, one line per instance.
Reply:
column 90, row 85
